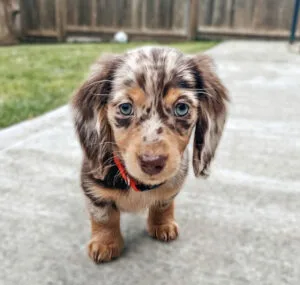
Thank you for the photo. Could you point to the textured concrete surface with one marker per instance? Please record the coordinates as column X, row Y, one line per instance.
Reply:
column 241, row 226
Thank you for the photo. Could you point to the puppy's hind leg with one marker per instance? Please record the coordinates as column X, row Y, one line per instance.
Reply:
column 106, row 242
column 161, row 222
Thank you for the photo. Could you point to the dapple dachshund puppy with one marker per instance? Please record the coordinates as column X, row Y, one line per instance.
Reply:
column 134, row 117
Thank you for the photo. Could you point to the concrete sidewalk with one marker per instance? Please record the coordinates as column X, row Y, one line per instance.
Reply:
column 241, row 226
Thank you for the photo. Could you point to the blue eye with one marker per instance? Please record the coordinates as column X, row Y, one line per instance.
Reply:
column 181, row 109
column 126, row 109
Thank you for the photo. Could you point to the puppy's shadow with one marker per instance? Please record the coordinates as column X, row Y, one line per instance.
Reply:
column 134, row 232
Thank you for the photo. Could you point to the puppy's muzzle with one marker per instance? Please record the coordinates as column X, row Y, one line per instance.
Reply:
column 152, row 164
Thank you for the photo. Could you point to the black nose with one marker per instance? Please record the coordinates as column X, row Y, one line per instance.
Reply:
column 152, row 164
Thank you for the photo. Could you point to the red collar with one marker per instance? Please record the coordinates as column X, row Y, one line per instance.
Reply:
column 130, row 181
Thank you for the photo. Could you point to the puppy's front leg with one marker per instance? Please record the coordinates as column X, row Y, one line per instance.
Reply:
column 161, row 222
column 106, row 242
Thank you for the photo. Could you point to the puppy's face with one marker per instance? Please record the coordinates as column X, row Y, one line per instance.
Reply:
column 151, row 111
column 142, row 106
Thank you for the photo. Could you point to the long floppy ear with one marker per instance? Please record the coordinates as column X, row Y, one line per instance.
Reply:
column 91, row 124
column 212, row 96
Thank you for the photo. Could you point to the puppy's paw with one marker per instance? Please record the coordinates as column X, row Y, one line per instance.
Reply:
column 103, row 251
column 165, row 232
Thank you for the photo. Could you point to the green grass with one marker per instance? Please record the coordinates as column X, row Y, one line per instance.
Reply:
column 37, row 78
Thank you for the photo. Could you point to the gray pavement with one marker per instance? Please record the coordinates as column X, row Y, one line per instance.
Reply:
column 241, row 226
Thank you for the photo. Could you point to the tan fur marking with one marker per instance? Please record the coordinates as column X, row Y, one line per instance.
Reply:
column 181, row 141
column 137, row 95
column 106, row 242
column 172, row 96
column 161, row 222
column 127, row 137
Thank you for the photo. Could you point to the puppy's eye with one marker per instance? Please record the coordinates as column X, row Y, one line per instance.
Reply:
column 126, row 109
column 181, row 109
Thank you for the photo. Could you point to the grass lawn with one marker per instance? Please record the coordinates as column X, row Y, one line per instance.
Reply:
column 37, row 78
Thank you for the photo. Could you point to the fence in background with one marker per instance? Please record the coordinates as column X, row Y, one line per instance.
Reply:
column 167, row 19
column 244, row 18
column 61, row 18
column 9, row 21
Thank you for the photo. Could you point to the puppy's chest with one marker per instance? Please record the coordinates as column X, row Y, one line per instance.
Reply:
column 137, row 201
column 133, row 201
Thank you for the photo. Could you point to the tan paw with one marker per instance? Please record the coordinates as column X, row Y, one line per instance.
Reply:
column 165, row 232
column 100, row 251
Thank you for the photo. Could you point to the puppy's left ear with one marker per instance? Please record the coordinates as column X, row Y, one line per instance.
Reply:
column 212, row 97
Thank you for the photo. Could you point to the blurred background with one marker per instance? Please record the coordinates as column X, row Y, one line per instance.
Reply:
column 61, row 20
column 30, row 87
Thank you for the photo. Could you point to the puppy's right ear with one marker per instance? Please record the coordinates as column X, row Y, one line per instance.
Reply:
column 90, row 116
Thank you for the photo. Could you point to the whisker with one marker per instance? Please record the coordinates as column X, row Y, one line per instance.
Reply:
column 202, row 91
column 98, row 82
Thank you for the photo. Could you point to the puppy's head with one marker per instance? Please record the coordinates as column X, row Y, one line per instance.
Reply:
column 143, row 105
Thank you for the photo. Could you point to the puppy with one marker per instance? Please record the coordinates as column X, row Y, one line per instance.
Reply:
column 134, row 117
